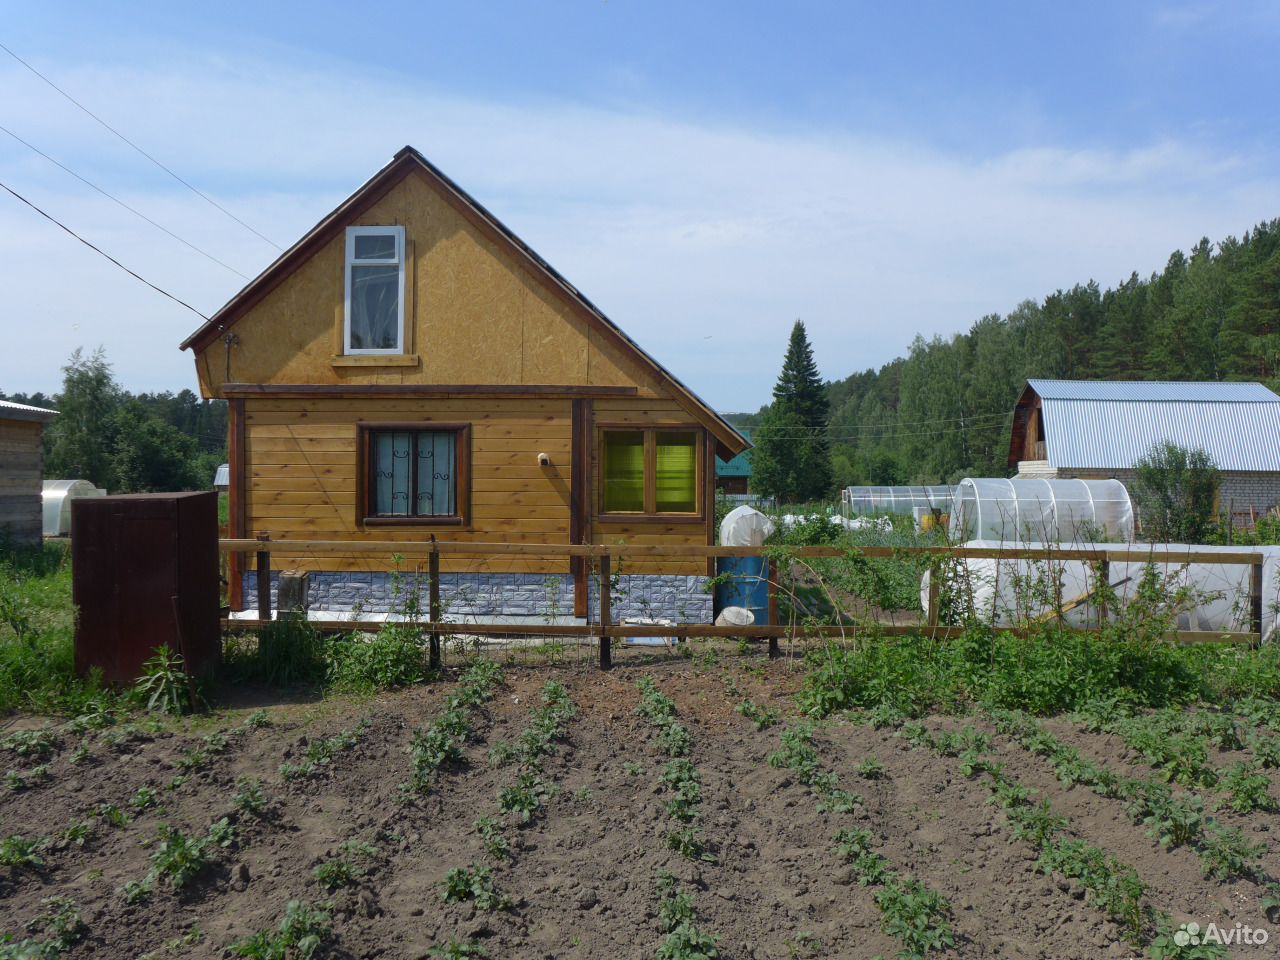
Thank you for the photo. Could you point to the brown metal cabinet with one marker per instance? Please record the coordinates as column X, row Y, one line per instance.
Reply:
column 144, row 575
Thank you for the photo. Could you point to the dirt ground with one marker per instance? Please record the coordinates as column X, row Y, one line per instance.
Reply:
column 581, row 877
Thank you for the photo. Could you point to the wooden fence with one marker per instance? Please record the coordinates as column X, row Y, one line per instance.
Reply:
column 604, row 554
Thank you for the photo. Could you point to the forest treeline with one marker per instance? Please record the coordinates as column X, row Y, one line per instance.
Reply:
column 945, row 410
column 128, row 442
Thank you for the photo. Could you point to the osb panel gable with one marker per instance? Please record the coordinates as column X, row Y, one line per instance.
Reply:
column 478, row 315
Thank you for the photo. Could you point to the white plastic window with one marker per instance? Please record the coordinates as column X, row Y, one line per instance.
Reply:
column 374, row 304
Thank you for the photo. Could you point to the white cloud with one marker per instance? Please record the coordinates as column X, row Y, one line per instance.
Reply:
column 704, row 242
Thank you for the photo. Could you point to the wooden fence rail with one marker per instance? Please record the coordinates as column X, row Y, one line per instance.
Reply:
column 263, row 546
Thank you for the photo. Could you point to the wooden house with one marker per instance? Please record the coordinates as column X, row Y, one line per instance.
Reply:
column 410, row 368
column 21, row 471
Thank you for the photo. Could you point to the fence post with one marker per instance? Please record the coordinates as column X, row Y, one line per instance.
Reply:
column 1102, row 588
column 1255, row 598
column 264, row 579
column 606, row 615
column 433, row 606
column 774, row 618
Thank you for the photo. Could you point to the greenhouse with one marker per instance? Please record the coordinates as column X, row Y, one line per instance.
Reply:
column 1050, row 511
column 872, row 501
column 1204, row 596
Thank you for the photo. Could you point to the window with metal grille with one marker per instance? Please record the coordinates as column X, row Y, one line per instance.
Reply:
column 415, row 475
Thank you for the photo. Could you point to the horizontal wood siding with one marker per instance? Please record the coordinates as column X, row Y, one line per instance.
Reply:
column 301, row 469
column 21, row 479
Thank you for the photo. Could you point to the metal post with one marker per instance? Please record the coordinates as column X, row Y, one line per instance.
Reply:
column 433, row 575
column 264, row 580
column 606, row 615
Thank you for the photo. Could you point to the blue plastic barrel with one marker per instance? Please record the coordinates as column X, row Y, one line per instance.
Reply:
column 746, row 585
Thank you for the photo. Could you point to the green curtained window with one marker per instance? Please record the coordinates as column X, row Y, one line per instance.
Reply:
column 649, row 471
column 677, row 473
column 623, row 471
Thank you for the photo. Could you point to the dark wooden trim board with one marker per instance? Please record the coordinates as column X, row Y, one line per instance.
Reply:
column 236, row 506
column 412, row 390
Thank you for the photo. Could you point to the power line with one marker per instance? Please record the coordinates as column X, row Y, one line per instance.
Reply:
column 198, row 193
column 101, row 252
column 114, row 199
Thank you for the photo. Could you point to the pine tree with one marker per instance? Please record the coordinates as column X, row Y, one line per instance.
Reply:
column 792, row 460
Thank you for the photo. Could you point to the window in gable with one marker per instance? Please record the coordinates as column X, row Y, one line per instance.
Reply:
column 374, row 305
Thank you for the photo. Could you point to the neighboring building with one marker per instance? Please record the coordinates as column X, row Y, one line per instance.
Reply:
column 410, row 368
column 734, row 476
column 1100, row 429
column 21, row 471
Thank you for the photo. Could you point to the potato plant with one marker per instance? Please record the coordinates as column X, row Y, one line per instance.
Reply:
column 303, row 930
column 321, row 753
column 914, row 915
column 1174, row 820
column 439, row 747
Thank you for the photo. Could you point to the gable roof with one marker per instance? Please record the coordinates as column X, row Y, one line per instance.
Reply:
column 405, row 161
column 20, row 411
column 1112, row 425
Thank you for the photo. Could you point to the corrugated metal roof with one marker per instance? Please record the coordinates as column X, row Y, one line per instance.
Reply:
column 1153, row 391
column 1114, row 434
column 20, row 411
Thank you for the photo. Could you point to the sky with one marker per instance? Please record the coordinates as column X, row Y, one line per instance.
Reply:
column 706, row 173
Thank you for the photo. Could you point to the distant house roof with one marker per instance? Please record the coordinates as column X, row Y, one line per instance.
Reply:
column 739, row 466
column 1110, row 425
column 20, row 411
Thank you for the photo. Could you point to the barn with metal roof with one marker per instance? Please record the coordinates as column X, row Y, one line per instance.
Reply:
column 1084, row 428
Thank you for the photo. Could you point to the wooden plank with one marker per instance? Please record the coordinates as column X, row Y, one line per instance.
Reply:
column 343, row 444
column 514, row 418
column 361, row 391
column 699, row 551
column 345, row 485
column 706, row 630
column 362, row 408
column 236, row 499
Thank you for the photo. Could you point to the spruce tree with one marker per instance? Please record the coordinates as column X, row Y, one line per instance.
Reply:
column 792, row 459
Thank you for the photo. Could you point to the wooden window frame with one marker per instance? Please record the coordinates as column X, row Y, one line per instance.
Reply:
column 365, row 486
column 650, row 513
column 349, row 261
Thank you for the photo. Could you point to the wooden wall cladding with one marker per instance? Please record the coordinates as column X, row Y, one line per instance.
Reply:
column 476, row 315
column 302, row 462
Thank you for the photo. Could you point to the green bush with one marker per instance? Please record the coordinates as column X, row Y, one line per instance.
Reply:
column 393, row 657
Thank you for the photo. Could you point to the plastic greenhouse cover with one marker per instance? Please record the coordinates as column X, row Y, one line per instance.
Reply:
column 1221, row 589
column 1066, row 511
column 859, row 501
column 745, row 527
